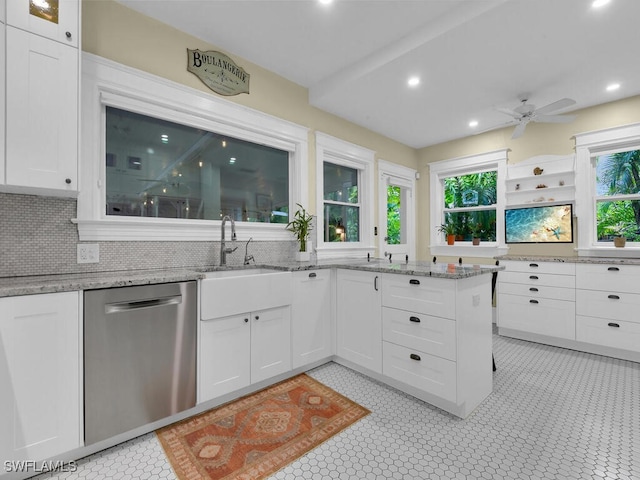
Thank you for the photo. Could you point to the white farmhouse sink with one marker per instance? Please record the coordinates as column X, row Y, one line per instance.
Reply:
column 234, row 292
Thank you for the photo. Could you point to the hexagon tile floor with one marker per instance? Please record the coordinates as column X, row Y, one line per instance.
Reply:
column 553, row 414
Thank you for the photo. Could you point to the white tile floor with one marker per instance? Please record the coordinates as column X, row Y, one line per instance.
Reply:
column 553, row 414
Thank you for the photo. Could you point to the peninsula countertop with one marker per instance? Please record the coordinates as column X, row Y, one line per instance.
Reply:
column 36, row 284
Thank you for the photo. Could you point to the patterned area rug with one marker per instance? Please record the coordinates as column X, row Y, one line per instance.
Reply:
column 254, row 436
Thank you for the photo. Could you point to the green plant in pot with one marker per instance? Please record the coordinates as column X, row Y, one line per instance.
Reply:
column 449, row 229
column 477, row 232
column 301, row 226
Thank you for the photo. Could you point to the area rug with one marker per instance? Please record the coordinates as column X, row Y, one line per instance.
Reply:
column 256, row 435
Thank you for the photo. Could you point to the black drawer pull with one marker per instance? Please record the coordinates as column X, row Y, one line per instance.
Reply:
column 533, row 277
column 616, row 325
column 533, row 289
column 414, row 319
column 312, row 275
column 533, row 301
column 613, row 269
column 614, row 297
column 413, row 356
column 413, row 281
column 533, row 265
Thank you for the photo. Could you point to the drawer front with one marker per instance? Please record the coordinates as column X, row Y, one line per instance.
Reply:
column 431, row 296
column 535, row 279
column 554, row 318
column 618, row 278
column 623, row 335
column 433, row 335
column 537, row 291
column 556, row 268
column 608, row 305
column 433, row 375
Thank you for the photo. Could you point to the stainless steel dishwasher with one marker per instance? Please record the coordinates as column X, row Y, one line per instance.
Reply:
column 139, row 356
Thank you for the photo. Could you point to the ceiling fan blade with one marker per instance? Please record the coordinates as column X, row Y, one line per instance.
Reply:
column 519, row 130
column 508, row 111
column 552, row 107
column 554, row 118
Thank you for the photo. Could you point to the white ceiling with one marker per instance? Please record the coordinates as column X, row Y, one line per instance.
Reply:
column 355, row 56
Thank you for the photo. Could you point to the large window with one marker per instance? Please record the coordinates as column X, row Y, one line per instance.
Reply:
column 341, row 204
column 157, row 168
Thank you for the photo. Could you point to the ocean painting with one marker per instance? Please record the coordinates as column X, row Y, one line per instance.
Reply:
column 539, row 224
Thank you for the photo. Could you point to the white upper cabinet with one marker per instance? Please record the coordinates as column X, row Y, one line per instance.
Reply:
column 54, row 19
column 41, row 113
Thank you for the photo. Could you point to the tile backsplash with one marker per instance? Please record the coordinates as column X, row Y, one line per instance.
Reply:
column 37, row 237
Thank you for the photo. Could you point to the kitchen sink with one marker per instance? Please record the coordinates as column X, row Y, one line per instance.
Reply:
column 240, row 272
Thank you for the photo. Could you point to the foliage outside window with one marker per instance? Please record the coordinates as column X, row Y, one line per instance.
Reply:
column 470, row 205
column 341, row 204
column 394, row 221
column 618, row 196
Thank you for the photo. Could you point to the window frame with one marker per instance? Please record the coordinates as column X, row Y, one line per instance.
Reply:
column 339, row 152
column 589, row 145
column 107, row 83
column 438, row 171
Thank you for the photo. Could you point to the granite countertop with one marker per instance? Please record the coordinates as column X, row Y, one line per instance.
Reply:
column 30, row 285
column 542, row 258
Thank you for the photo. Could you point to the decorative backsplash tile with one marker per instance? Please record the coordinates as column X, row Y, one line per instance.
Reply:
column 38, row 238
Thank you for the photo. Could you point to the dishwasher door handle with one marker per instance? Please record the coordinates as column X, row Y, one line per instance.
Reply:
column 139, row 304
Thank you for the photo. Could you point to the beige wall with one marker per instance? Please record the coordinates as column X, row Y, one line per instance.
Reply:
column 539, row 139
column 120, row 34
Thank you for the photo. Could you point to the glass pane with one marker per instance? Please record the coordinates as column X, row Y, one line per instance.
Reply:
column 341, row 223
column 45, row 9
column 618, row 173
column 156, row 168
column 470, row 190
column 479, row 224
column 616, row 219
column 340, row 183
column 394, row 215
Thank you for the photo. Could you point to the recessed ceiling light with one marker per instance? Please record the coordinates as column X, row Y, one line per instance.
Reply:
column 325, row 2
column 413, row 81
column 599, row 3
column 613, row 86
column 473, row 123
column 232, row 160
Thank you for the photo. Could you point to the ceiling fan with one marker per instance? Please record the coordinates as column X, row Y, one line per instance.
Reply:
column 527, row 112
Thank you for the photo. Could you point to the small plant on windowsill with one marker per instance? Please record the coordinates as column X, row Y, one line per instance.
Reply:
column 449, row 229
column 301, row 227
column 477, row 232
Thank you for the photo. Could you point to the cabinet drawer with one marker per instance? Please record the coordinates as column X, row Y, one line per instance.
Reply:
column 556, row 268
column 555, row 318
column 617, row 278
column 433, row 335
column 609, row 305
column 537, row 291
column 534, row 279
column 431, row 374
column 604, row 332
column 431, row 296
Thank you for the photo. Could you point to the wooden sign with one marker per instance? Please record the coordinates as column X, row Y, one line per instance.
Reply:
column 218, row 72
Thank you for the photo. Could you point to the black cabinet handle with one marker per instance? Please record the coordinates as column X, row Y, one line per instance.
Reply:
column 413, row 356
column 613, row 269
column 533, row 289
column 614, row 297
column 312, row 275
column 246, row 320
column 616, row 325
column 533, row 301
column 414, row 319
column 67, row 34
column 413, row 281
column 375, row 283
column 533, row 277
column 533, row 265
column 257, row 317
column 67, row 181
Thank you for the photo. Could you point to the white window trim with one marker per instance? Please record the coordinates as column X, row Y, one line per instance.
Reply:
column 336, row 151
column 589, row 145
column 105, row 82
column 495, row 160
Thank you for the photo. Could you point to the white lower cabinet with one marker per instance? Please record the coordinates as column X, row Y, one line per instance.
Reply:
column 40, row 376
column 359, row 318
column 311, row 317
column 239, row 350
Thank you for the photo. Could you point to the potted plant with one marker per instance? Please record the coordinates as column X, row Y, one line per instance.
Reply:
column 449, row 229
column 301, row 226
column 477, row 232
column 619, row 230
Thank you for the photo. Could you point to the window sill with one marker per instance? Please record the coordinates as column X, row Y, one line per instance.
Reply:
column 466, row 249
column 613, row 252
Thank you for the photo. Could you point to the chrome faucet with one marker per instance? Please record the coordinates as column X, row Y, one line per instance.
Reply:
column 248, row 258
column 223, row 248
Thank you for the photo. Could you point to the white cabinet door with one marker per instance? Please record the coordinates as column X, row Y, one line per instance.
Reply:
column 270, row 343
column 42, row 113
column 57, row 19
column 40, row 376
column 359, row 318
column 225, row 358
column 311, row 317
